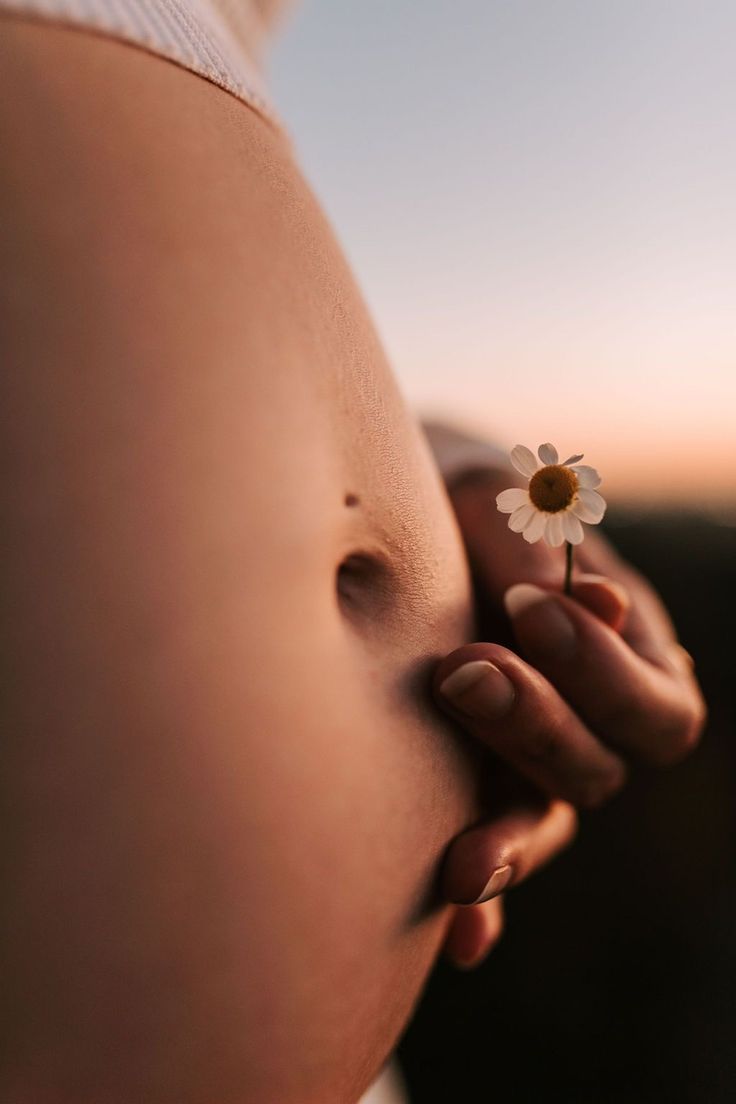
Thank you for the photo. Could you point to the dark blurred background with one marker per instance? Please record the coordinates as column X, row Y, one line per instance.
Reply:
column 615, row 981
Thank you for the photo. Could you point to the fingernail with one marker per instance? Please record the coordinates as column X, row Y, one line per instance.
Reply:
column 496, row 884
column 479, row 689
column 550, row 632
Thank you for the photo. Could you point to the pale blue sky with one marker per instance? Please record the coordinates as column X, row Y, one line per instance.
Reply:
column 538, row 198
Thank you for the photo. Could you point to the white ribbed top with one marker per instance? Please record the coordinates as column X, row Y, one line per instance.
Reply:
column 218, row 39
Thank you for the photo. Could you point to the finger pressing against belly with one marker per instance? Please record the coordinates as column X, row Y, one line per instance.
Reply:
column 516, row 711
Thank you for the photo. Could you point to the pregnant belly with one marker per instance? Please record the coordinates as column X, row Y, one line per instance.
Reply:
column 231, row 570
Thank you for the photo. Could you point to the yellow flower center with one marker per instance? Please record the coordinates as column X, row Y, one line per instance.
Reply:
column 553, row 488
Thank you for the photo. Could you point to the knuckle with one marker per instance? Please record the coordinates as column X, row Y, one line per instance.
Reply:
column 699, row 715
column 677, row 739
column 601, row 788
column 662, row 738
column 695, row 725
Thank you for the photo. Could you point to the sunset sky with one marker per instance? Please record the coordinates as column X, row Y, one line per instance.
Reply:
column 539, row 201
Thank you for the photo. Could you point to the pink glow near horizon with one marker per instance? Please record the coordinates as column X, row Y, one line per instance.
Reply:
column 658, row 419
column 689, row 474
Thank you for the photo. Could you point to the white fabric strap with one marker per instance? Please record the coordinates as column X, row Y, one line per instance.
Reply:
column 195, row 34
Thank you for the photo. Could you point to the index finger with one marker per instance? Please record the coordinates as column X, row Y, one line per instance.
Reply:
column 648, row 706
column 649, row 628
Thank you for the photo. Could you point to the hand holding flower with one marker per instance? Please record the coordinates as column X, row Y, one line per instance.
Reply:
column 599, row 676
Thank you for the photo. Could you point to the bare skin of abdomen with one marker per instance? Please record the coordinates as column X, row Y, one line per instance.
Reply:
column 231, row 567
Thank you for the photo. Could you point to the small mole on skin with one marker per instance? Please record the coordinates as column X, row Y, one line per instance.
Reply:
column 351, row 500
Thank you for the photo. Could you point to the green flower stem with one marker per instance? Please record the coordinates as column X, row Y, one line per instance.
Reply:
column 567, row 589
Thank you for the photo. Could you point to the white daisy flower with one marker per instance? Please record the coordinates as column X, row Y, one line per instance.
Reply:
column 559, row 497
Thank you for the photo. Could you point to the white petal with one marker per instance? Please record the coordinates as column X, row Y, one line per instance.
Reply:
column 508, row 501
column 535, row 528
column 553, row 533
column 521, row 517
column 572, row 528
column 548, row 454
column 573, row 459
column 589, row 506
column 524, row 460
column 588, row 477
